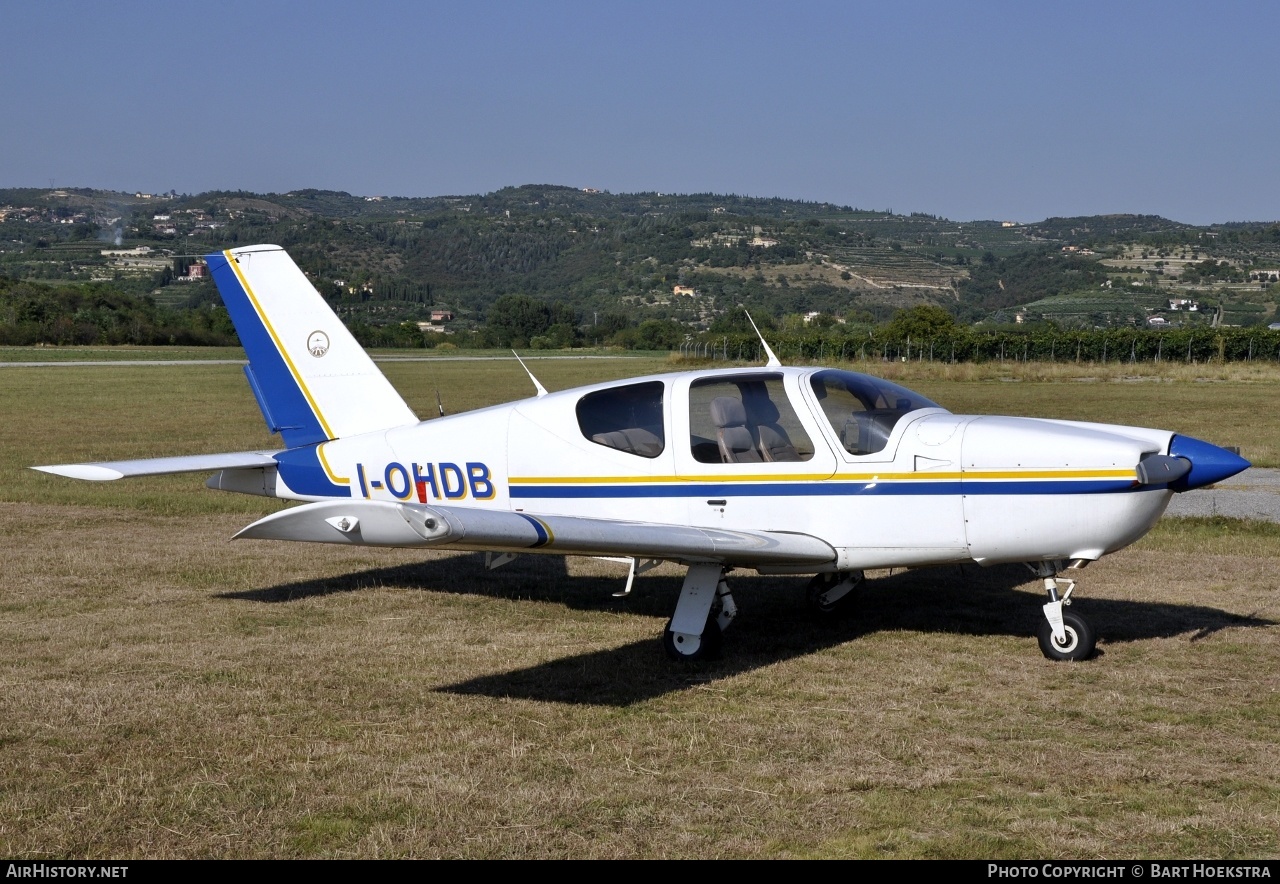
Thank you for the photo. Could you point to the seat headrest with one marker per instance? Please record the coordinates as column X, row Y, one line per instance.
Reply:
column 727, row 412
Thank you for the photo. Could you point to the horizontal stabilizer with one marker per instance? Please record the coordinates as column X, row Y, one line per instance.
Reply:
column 384, row 523
column 161, row 466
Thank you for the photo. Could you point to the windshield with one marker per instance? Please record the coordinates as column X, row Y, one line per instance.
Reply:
column 863, row 410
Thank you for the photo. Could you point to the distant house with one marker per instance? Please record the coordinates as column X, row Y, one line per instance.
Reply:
column 679, row 290
column 442, row 316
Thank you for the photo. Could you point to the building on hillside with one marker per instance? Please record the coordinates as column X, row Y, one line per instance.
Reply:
column 679, row 290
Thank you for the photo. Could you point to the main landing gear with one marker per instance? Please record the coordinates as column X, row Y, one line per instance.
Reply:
column 705, row 610
column 1064, row 635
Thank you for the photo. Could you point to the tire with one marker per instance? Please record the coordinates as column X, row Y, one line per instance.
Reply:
column 1080, row 643
column 708, row 649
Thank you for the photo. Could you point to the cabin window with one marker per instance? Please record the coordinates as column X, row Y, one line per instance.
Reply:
column 863, row 410
column 745, row 419
column 628, row 418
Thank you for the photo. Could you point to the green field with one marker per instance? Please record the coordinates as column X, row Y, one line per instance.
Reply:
column 170, row 694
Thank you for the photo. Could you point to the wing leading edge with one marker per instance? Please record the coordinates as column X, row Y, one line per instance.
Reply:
column 384, row 523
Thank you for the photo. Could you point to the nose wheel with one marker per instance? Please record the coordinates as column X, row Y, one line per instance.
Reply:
column 1077, row 643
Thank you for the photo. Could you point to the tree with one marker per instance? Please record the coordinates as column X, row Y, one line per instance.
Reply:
column 737, row 320
column 921, row 322
column 516, row 319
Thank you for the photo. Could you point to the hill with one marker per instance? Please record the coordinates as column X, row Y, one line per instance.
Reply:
column 684, row 258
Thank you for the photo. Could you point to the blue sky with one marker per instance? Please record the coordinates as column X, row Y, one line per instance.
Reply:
column 978, row 110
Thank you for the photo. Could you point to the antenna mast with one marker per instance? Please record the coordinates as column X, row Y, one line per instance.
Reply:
column 773, row 359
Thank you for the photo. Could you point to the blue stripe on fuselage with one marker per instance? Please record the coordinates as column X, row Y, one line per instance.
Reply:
column 302, row 471
column 819, row 489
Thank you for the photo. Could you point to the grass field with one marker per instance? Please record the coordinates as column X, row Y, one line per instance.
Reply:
column 169, row 694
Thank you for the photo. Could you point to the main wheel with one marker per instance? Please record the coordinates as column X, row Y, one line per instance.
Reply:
column 816, row 594
column 1080, row 640
column 708, row 648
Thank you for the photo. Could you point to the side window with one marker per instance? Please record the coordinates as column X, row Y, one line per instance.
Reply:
column 628, row 418
column 863, row 410
column 745, row 420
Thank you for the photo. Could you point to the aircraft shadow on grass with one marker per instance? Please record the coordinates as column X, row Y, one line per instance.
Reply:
column 773, row 623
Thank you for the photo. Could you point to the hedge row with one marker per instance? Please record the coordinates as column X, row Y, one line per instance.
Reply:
column 974, row 345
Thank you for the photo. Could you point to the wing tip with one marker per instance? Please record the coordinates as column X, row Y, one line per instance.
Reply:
column 88, row 471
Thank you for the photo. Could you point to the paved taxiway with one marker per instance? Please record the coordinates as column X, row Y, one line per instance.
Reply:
column 1253, row 494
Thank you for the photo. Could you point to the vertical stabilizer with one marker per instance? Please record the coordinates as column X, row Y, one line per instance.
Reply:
column 312, row 380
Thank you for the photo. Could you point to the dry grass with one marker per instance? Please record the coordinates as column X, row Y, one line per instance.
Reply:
column 169, row 694
column 183, row 697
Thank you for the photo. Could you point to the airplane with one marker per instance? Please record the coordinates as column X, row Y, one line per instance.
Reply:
column 786, row 470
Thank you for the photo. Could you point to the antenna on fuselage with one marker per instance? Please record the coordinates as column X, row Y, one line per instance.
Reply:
column 773, row 359
column 542, row 391
column 439, row 404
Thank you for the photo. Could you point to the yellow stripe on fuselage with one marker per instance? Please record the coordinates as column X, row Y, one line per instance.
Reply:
column 324, row 462
column 926, row 476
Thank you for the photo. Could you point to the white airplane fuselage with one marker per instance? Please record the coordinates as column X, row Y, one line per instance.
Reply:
column 945, row 488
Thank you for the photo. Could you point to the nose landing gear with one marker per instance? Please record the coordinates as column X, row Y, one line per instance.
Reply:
column 1064, row 635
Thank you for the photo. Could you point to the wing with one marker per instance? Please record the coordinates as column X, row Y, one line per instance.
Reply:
column 162, row 466
column 384, row 523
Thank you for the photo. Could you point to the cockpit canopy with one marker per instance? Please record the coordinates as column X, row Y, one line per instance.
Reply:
column 739, row 417
column 861, row 409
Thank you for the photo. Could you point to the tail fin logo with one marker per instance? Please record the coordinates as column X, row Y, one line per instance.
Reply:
column 318, row 344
